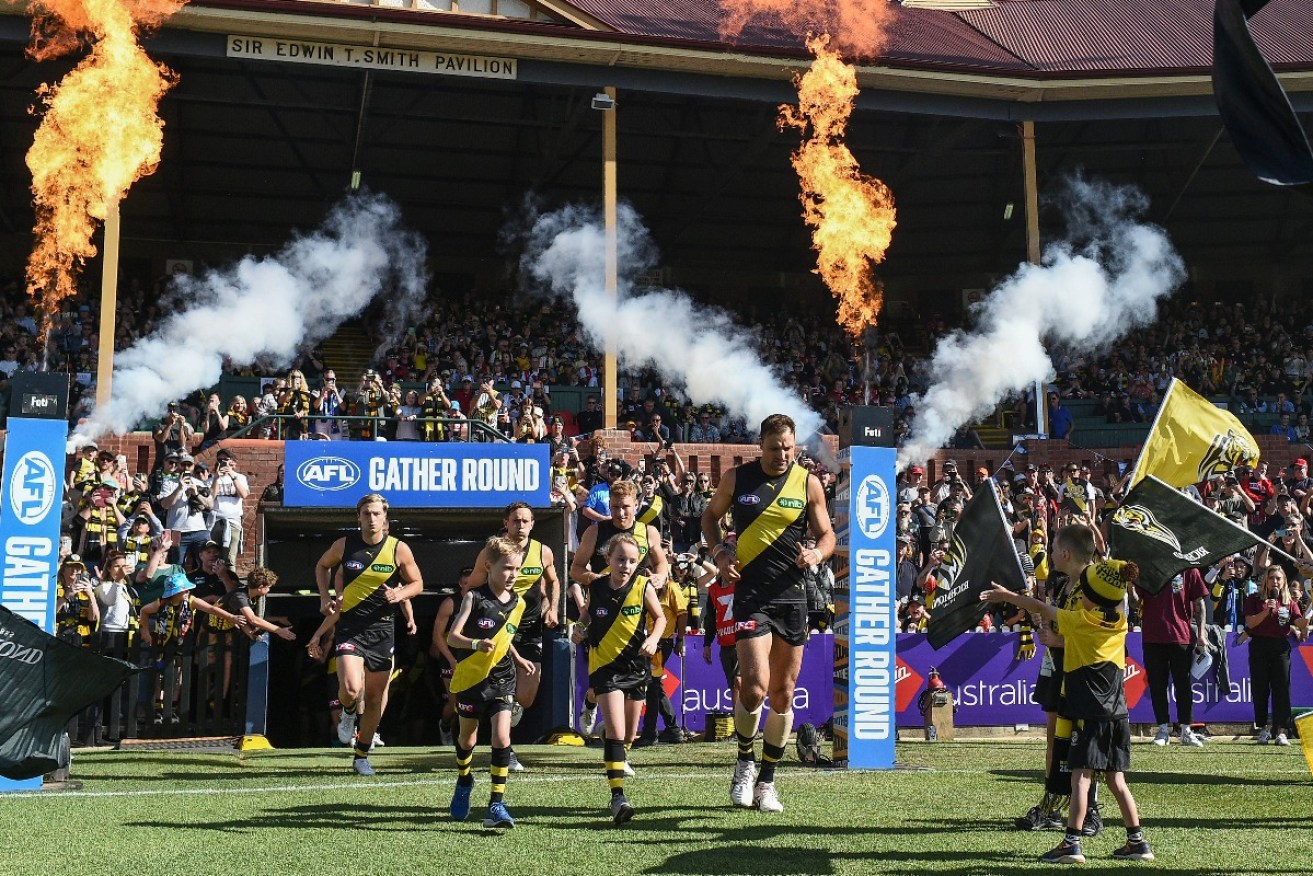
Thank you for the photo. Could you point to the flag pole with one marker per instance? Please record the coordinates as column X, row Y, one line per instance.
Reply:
column 1162, row 406
column 1236, row 526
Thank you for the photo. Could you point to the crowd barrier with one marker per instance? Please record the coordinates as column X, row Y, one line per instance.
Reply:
column 990, row 686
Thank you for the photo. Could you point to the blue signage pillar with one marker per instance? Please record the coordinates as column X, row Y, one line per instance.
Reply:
column 31, row 504
column 866, row 626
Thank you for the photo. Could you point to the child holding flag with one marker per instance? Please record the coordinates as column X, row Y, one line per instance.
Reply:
column 1094, row 698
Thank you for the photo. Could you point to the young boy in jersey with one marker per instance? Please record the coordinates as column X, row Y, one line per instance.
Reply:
column 622, row 623
column 483, row 681
column 165, row 623
column 1094, row 698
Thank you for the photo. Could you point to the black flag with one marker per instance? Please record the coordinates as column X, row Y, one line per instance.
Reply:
column 1164, row 532
column 980, row 554
column 1255, row 110
column 43, row 683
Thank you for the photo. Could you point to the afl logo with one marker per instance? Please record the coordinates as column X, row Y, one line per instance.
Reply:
column 354, row 565
column 328, row 473
column 486, row 623
column 32, row 488
column 873, row 506
column 600, row 612
column 749, row 499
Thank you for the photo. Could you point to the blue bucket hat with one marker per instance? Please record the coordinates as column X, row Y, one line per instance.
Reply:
column 177, row 583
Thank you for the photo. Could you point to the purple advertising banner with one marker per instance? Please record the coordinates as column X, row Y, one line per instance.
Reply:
column 697, row 687
column 990, row 687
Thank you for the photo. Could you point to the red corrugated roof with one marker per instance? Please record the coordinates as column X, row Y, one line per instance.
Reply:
column 1048, row 37
column 1083, row 36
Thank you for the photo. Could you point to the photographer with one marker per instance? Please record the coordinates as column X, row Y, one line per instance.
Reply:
column 186, row 508
column 214, row 423
column 367, row 401
column 229, row 489
column 328, row 401
column 1272, row 615
column 173, row 434
column 77, row 613
column 487, row 402
column 434, row 406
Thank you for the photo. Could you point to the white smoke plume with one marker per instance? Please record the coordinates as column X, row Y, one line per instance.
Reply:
column 269, row 309
column 696, row 347
column 1105, row 279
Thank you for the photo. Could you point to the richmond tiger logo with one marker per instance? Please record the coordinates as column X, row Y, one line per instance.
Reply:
column 1140, row 520
column 1226, row 452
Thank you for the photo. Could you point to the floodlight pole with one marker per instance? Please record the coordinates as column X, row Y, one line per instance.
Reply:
column 610, row 381
column 1031, row 185
column 109, row 286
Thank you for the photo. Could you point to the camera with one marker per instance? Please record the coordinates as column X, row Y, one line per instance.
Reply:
column 1231, row 481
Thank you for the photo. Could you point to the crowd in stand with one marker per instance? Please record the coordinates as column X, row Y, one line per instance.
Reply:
column 481, row 361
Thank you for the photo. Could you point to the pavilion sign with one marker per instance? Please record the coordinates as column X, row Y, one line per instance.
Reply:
column 261, row 48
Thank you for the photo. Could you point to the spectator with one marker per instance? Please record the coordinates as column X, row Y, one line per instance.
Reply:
column 409, row 411
column 1173, row 622
column 1061, row 421
column 187, row 505
column 173, row 434
column 589, row 420
column 433, row 407
column 229, row 488
column 214, row 423
column 656, row 431
column 294, row 406
column 239, row 416
column 1272, row 615
column 1283, row 428
column 274, row 491
column 328, row 402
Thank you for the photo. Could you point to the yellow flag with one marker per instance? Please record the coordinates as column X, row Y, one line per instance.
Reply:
column 1192, row 439
column 1304, row 724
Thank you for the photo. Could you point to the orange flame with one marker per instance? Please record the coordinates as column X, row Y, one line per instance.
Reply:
column 99, row 132
column 851, row 214
column 858, row 26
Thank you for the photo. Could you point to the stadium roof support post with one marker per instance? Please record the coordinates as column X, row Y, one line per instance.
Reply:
column 610, row 381
column 1031, row 186
column 109, row 287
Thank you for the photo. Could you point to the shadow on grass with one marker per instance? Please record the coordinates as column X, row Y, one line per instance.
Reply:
column 313, row 817
column 1163, row 778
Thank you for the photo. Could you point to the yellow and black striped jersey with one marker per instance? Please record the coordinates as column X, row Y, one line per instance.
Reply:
column 617, row 623
column 650, row 512
column 366, row 570
column 527, row 582
column 770, row 517
column 606, row 530
column 492, row 619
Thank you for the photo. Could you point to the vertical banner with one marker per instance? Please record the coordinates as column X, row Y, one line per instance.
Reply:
column 31, row 496
column 871, row 625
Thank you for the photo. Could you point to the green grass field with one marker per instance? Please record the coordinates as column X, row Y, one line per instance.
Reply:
column 1228, row 809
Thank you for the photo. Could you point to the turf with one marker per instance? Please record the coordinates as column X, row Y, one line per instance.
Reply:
column 1231, row 808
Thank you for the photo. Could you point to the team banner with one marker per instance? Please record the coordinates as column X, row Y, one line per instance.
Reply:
column 1165, row 532
column 871, row 626
column 413, row 474
column 44, row 682
column 1192, row 439
column 980, row 554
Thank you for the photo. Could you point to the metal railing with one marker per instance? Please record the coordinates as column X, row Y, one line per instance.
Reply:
column 271, row 426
